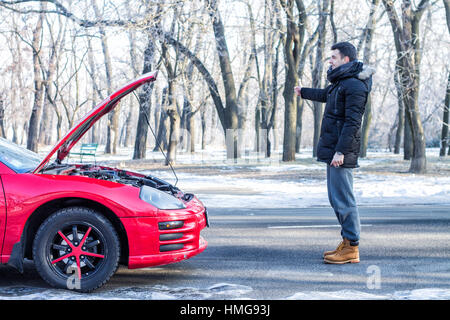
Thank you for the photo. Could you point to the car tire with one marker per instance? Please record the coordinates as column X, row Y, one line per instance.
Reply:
column 76, row 248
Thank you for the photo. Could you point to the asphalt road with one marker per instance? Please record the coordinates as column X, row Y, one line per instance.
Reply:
column 277, row 254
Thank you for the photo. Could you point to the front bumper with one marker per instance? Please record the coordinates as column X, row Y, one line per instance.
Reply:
column 143, row 261
column 171, row 236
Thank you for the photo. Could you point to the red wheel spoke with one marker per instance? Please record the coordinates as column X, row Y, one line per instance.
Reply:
column 85, row 236
column 93, row 254
column 78, row 267
column 61, row 258
column 65, row 239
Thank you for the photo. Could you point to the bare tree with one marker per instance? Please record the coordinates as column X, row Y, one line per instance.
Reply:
column 140, row 144
column 406, row 36
column 230, row 115
column 368, row 38
column 401, row 118
column 318, row 70
column 446, row 112
column 33, row 126
column 171, row 107
column 265, row 115
column 113, row 116
column 293, row 43
column 56, row 47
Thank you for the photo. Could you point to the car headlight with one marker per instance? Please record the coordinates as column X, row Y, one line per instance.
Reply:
column 160, row 199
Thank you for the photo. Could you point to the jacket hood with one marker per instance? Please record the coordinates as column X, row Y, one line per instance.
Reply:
column 366, row 73
column 366, row 76
column 63, row 147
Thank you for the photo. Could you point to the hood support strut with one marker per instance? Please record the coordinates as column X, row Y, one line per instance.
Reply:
column 156, row 139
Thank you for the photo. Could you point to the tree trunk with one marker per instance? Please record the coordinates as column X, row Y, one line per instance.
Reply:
column 2, row 118
column 190, row 127
column 231, row 114
column 298, row 135
column 174, row 134
column 407, row 138
column 131, row 117
column 445, row 116
column 317, row 74
column 274, row 98
column 112, row 137
column 45, row 124
column 290, row 113
column 161, row 137
column 49, row 101
column 33, row 126
column 268, row 91
column 172, row 112
column 370, row 28
column 445, row 120
column 401, row 111
column 140, row 142
column 295, row 51
column 292, row 44
column 188, row 109
column 407, row 42
column 203, row 121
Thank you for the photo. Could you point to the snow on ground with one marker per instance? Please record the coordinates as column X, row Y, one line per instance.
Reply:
column 382, row 178
column 370, row 190
column 419, row 294
column 221, row 291
column 158, row 292
column 379, row 181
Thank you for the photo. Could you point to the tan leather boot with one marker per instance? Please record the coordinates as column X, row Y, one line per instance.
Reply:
column 347, row 254
column 339, row 247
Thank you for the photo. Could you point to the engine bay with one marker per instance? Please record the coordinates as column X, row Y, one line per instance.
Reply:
column 115, row 175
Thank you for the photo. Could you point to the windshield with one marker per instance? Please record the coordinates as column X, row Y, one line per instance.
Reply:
column 17, row 158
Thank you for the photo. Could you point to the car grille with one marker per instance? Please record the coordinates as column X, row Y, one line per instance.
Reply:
column 177, row 235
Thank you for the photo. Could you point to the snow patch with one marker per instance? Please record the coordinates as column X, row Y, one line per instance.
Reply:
column 216, row 291
column 158, row 292
column 335, row 295
column 230, row 289
column 423, row 294
column 418, row 294
column 370, row 190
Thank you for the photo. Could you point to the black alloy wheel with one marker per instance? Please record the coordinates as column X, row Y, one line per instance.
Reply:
column 77, row 249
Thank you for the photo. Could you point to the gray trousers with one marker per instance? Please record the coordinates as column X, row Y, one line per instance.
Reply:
column 342, row 200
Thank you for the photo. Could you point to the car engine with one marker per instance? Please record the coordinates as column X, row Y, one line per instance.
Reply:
column 115, row 175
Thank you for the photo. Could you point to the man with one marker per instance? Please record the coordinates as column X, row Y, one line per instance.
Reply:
column 339, row 142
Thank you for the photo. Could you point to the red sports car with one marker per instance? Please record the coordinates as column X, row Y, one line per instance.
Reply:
column 78, row 222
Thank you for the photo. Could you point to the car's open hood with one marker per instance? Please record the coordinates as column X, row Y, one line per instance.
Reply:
column 63, row 147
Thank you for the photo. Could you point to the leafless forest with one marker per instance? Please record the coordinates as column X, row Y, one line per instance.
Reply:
column 227, row 69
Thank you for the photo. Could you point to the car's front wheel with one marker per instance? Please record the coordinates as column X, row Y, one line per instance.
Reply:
column 76, row 248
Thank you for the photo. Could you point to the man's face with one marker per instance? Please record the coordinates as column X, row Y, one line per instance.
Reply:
column 337, row 59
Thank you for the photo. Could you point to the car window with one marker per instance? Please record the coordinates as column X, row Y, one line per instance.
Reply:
column 17, row 158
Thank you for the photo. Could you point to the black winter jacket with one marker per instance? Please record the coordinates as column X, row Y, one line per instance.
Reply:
column 345, row 99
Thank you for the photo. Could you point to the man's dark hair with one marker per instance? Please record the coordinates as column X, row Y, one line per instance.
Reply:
column 346, row 49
